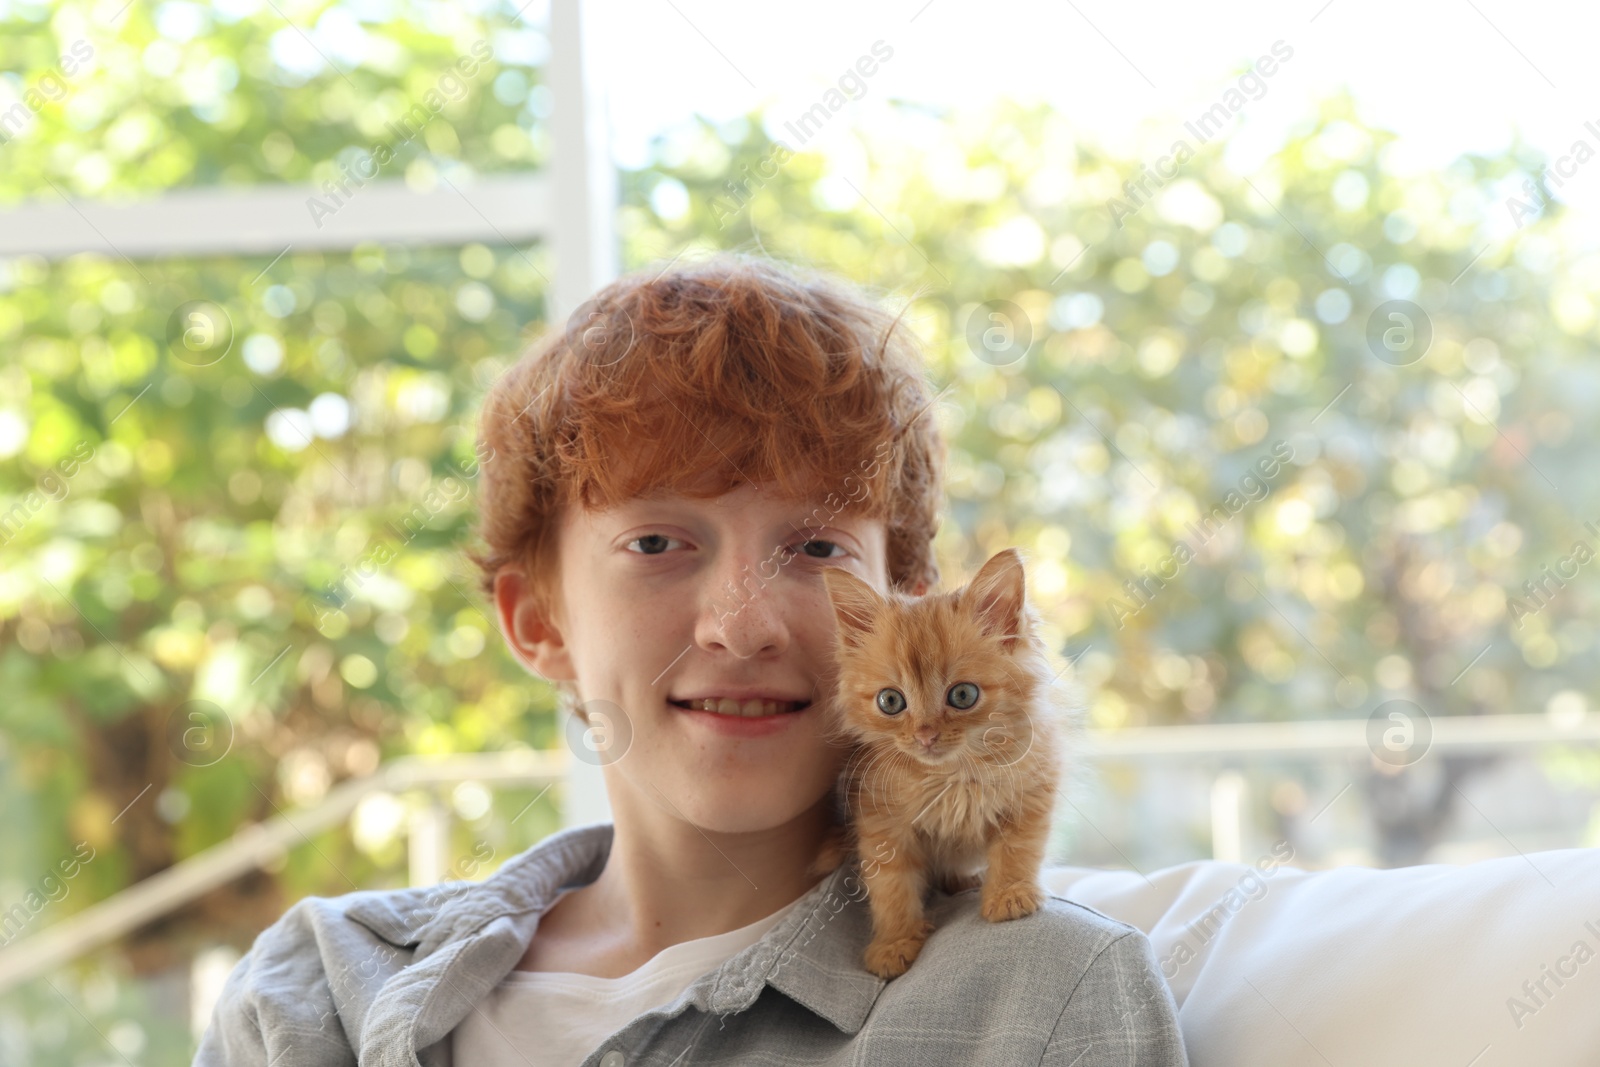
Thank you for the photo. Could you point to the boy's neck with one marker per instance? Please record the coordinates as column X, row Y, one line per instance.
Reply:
column 667, row 882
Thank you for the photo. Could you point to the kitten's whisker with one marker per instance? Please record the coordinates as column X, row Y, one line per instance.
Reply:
column 861, row 767
column 839, row 738
column 885, row 757
column 862, row 757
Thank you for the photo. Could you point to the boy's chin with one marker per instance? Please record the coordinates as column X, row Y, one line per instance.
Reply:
column 756, row 807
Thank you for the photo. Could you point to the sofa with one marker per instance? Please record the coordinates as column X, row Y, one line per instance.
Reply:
column 1489, row 964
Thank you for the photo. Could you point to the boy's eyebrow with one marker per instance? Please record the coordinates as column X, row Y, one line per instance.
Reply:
column 800, row 515
column 845, row 519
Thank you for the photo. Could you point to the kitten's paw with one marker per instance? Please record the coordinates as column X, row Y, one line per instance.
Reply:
column 1011, row 902
column 892, row 958
column 959, row 883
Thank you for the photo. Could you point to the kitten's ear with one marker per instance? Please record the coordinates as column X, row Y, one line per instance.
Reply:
column 855, row 603
column 996, row 596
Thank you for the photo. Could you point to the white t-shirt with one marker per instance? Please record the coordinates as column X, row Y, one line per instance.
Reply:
column 557, row 1018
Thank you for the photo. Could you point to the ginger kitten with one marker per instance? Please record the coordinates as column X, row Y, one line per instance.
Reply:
column 949, row 703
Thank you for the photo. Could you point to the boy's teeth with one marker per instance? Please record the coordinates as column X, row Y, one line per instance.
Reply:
column 749, row 709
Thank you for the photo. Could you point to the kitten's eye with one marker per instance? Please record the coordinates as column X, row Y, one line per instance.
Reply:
column 891, row 701
column 652, row 544
column 962, row 695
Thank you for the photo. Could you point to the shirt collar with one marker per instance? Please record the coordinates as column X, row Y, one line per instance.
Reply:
column 812, row 955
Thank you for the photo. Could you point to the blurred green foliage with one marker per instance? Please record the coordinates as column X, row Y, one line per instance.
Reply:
column 173, row 532
column 1228, row 315
column 189, row 553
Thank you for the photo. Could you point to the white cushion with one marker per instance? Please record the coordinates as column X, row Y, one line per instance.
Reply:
column 1491, row 964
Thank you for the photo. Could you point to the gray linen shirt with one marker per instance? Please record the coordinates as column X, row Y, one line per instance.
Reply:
column 381, row 978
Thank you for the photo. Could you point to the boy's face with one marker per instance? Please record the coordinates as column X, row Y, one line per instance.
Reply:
column 670, row 600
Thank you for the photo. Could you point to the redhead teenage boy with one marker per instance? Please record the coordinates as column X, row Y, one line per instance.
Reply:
column 670, row 477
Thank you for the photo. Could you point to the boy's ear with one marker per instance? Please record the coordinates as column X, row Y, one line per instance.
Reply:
column 855, row 603
column 996, row 595
column 529, row 632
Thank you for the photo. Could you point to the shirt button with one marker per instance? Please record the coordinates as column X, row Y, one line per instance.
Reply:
column 612, row 1059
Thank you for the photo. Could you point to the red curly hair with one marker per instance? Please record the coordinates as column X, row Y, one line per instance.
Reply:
column 698, row 379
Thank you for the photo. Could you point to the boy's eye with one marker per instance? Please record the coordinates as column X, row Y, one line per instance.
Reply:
column 651, row 544
column 817, row 548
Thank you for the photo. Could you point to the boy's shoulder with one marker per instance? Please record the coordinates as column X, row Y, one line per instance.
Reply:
column 1080, row 978
column 1062, row 937
column 399, row 917
column 1064, row 947
column 308, row 978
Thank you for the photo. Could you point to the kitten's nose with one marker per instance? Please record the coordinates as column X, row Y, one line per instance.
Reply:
column 927, row 735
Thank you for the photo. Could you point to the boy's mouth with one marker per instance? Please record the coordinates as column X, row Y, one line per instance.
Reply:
column 745, row 709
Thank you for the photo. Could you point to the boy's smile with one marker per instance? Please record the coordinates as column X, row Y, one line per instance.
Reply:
column 740, row 712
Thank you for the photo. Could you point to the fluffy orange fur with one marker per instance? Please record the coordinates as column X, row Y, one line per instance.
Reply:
column 935, row 791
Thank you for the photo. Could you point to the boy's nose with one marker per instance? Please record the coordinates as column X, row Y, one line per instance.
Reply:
column 746, row 621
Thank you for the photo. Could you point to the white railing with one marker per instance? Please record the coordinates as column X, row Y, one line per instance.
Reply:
column 254, row 846
column 263, row 843
column 273, row 219
column 1477, row 733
